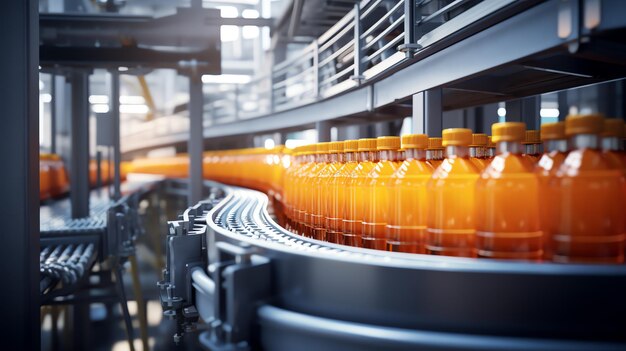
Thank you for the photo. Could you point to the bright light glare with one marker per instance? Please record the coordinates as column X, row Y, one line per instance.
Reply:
column 294, row 143
column 250, row 13
column 98, row 99
column 228, row 11
column 229, row 33
column 132, row 100
column 226, row 79
column 135, row 109
column 249, row 105
column 501, row 112
column 269, row 143
column 549, row 112
column 100, row 108
column 45, row 97
column 250, row 32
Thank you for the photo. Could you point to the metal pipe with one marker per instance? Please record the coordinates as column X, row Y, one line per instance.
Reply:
column 115, row 115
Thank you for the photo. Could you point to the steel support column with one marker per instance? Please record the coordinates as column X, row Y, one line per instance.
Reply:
column 53, row 113
column 79, row 170
column 323, row 131
column 115, row 115
column 525, row 110
column 19, row 189
column 195, row 142
column 427, row 112
column 563, row 104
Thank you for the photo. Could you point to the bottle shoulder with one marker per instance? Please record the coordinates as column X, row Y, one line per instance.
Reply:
column 456, row 167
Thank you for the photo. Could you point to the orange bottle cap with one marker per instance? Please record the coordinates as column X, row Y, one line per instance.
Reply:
column 456, row 137
column 351, row 146
column 532, row 137
column 335, row 147
column 414, row 141
column 388, row 143
column 322, row 148
column 434, row 144
column 584, row 124
column 367, row 144
column 613, row 127
column 553, row 131
column 490, row 143
column 508, row 131
column 479, row 139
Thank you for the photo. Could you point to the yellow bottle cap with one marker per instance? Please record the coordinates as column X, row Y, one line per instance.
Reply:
column 532, row 137
column 335, row 147
column 322, row 148
column 388, row 143
column 508, row 131
column 490, row 143
column 479, row 139
column 456, row 137
column 434, row 144
column 351, row 146
column 367, row 144
column 613, row 127
column 553, row 131
column 584, row 124
column 414, row 141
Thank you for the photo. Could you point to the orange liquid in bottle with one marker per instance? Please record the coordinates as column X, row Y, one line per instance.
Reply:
column 310, row 190
column 298, row 185
column 338, row 189
column 288, row 186
column 507, row 228
column 450, row 191
column 406, row 227
column 324, row 191
column 434, row 152
column 590, row 201
column 358, row 191
column 478, row 151
column 555, row 144
column 377, row 204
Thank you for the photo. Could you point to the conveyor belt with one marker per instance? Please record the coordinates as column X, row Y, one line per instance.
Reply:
column 413, row 301
column 65, row 263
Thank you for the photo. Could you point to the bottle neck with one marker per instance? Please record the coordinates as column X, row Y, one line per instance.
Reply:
column 491, row 151
column 513, row 147
column 434, row 154
column 610, row 144
column 477, row 151
column 333, row 157
column 350, row 157
column 415, row 154
column 585, row 141
column 457, row 151
column 532, row 149
column 555, row 145
column 388, row 155
column 368, row 156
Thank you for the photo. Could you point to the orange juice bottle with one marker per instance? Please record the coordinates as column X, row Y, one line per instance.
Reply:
column 377, row 203
column 434, row 152
column 406, row 226
column 288, row 189
column 590, row 222
column 491, row 149
column 338, row 188
column 555, row 146
column 324, row 193
column 357, row 190
column 311, row 190
column 507, row 228
column 450, row 192
column 532, row 145
column 478, row 151
column 611, row 139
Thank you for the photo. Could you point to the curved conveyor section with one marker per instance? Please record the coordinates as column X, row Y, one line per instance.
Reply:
column 327, row 296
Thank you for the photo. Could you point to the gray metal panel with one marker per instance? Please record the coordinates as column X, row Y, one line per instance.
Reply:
column 195, row 141
column 79, row 170
column 19, row 188
column 115, row 133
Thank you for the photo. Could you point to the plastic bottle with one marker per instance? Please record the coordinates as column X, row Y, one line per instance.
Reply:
column 357, row 191
column 590, row 211
column 338, row 187
column 406, row 227
column 478, row 151
column 309, row 188
column 491, row 149
column 310, row 154
column 324, row 191
column 450, row 192
column 555, row 146
column 288, row 185
column 611, row 139
column 532, row 145
column 434, row 152
column 507, row 198
column 378, row 202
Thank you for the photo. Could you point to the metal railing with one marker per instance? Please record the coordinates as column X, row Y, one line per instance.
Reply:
column 371, row 39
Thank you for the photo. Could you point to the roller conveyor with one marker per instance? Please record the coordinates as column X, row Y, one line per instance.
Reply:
column 258, row 285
